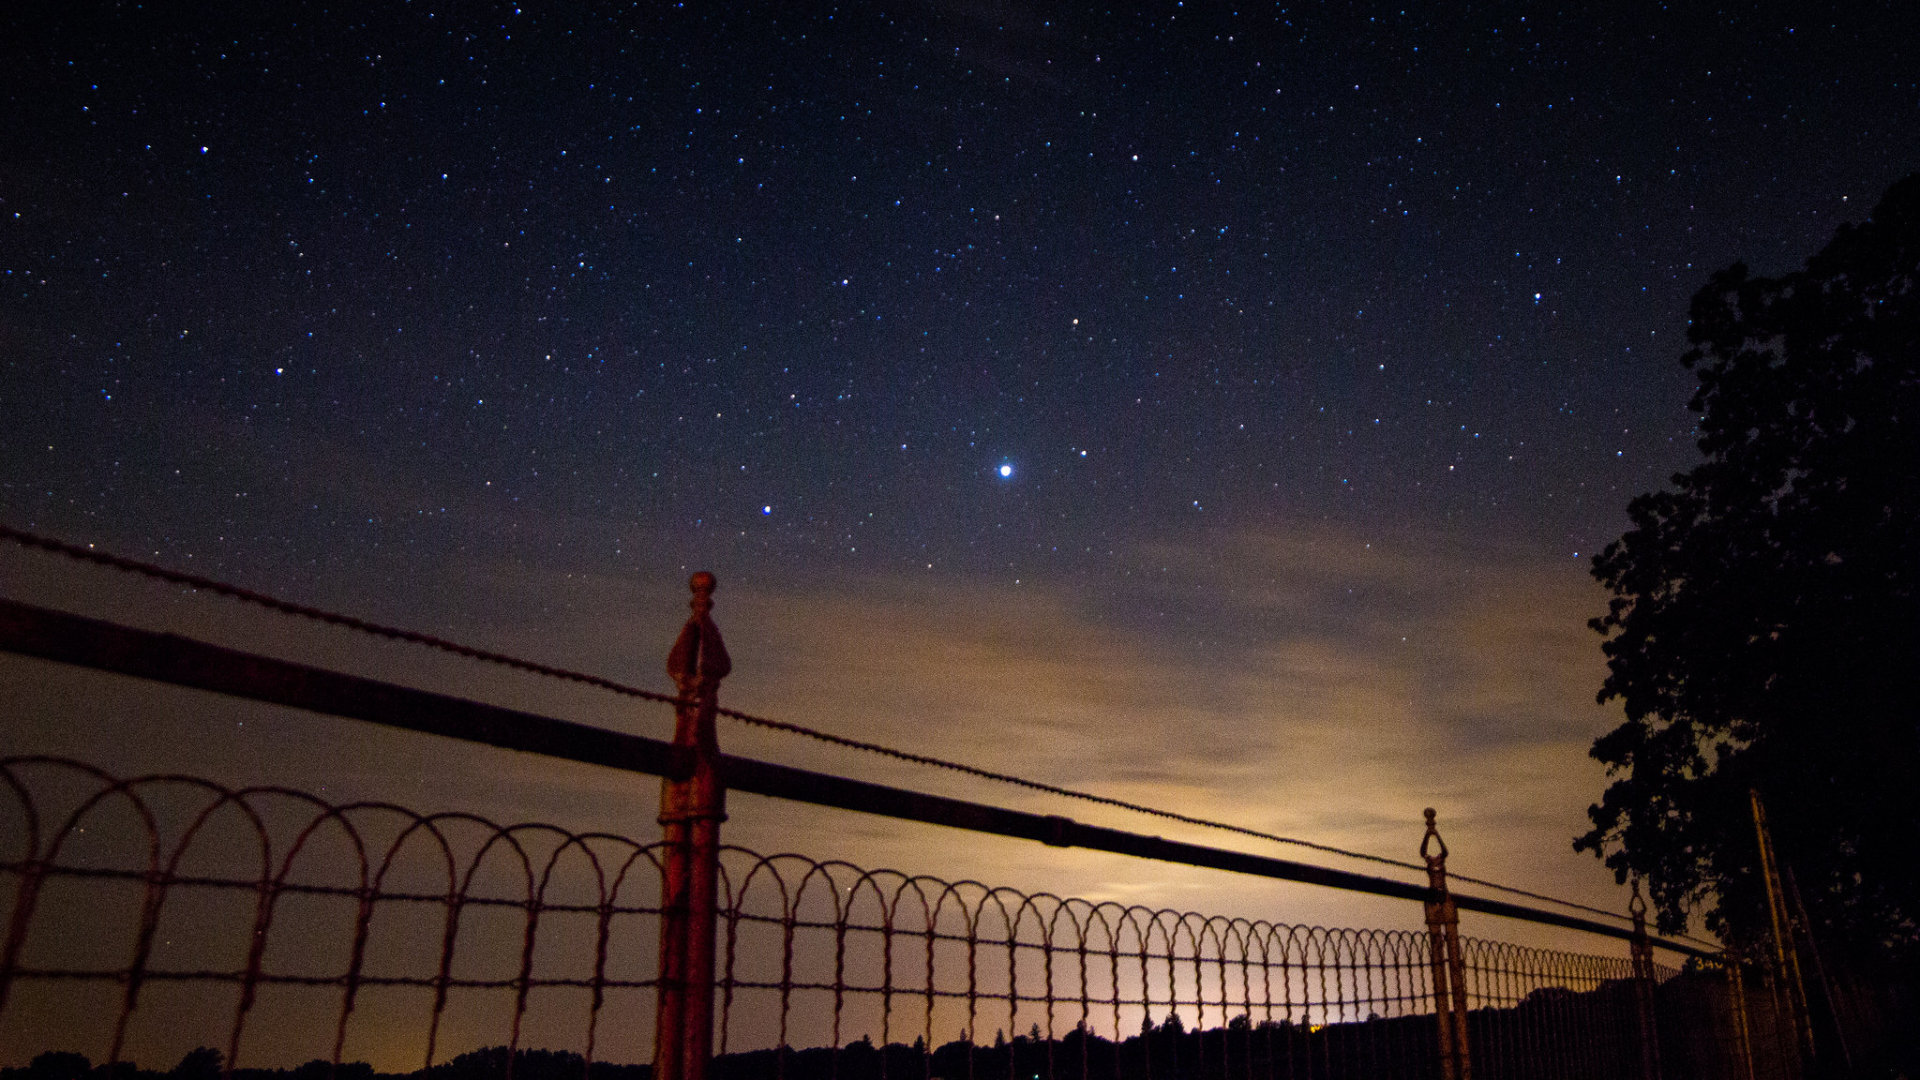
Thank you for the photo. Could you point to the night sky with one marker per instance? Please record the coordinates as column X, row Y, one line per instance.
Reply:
column 1216, row 408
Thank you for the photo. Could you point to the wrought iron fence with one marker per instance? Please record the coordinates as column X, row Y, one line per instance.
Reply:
column 142, row 909
column 286, row 926
column 262, row 900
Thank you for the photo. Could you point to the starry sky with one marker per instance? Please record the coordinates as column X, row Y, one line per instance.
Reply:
column 1210, row 406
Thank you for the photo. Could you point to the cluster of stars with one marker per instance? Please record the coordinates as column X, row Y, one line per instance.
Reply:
column 595, row 272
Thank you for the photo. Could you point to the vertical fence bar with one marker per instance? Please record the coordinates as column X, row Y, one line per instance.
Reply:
column 691, row 811
column 1643, row 983
column 1449, row 965
column 1786, row 957
column 1837, row 1033
column 1737, row 1006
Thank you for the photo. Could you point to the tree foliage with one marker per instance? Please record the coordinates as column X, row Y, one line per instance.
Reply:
column 199, row 1063
column 1764, row 630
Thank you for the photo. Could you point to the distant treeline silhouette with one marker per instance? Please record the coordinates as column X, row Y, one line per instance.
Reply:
column 1514, row 1041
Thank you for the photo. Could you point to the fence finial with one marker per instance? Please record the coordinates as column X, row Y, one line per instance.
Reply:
column 699, row 658
column 1433, row 836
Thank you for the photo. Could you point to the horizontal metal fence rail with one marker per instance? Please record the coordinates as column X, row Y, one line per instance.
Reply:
column 92, row 556
column 147, row 916
column 54, row 635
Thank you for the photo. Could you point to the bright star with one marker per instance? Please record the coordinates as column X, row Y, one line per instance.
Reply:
column 1006, row 471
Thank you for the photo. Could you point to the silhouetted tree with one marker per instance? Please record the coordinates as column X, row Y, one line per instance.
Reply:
column 321, row 1069
column 199, row 1063
column 59, row 1065
column 1764, row 629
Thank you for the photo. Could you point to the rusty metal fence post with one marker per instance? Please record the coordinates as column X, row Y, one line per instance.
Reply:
column 691, row 810
column 1449, row 965
column 1643, row 984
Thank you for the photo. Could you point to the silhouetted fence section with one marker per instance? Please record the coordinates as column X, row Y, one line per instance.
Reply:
column 151, row 914
column 281, row 923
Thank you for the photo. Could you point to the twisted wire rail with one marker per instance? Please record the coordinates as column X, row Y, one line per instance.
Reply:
column 331, row 618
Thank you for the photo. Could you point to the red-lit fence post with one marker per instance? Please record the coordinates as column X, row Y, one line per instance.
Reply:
column 1449, row 966
column 1642, row 952
column 691, row 810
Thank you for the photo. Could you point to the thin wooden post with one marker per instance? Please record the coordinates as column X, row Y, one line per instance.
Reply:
column 691, row 811
column 1737, row 1004
column 1643, row 986
column 1449, row 965
column 1786, row 957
